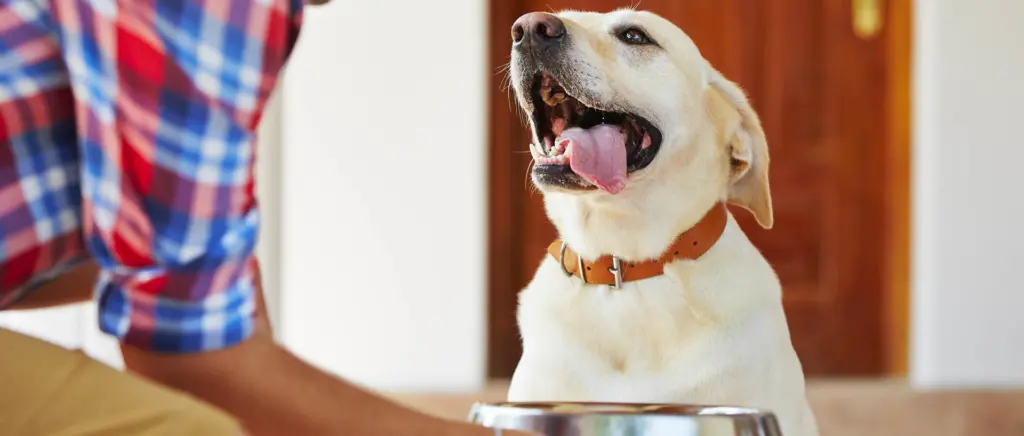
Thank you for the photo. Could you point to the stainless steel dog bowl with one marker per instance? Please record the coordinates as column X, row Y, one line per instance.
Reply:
column 609, row 419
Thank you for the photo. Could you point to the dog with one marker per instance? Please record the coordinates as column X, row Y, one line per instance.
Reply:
column 653, row 294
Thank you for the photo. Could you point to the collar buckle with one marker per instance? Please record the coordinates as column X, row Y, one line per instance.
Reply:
column 616, row 271
column 616, row 268
column 561, row 260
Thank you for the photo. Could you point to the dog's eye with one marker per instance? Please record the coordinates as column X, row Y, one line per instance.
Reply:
column 634, row 36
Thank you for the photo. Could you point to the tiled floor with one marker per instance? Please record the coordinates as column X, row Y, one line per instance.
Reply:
column 849, row 408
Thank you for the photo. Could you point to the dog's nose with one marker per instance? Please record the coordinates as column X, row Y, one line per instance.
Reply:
column 541, row 27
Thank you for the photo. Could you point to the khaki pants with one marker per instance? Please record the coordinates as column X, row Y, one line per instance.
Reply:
column 46, row 390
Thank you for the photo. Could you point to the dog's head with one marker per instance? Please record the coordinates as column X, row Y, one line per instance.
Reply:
column 626, row 113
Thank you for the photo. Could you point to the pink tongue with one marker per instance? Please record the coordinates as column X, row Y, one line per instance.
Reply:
column 598, row 155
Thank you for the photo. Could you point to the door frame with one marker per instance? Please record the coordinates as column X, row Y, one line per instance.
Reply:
column 505, row 194
column 502, row 252
column 899, row 113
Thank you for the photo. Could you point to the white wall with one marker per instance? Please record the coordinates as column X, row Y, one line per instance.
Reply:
column 60, row 325
column 384, row 193
column 968, row 291
column 269, row 154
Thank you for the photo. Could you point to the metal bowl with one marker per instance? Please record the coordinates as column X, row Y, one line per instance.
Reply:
column 612, row 419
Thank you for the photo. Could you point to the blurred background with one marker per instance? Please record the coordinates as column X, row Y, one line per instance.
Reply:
column 399, row 225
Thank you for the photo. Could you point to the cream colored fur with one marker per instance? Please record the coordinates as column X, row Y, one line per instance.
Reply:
column 709, row 331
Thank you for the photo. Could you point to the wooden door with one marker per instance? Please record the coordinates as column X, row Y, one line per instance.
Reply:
column 823, row 95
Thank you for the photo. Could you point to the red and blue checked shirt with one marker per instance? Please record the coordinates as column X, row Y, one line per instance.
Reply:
column 127, row 135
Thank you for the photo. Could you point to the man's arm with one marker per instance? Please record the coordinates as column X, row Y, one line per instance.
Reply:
column 274, row 393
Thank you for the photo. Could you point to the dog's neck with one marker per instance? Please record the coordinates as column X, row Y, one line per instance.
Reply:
column 595, row 226
column 640, row 222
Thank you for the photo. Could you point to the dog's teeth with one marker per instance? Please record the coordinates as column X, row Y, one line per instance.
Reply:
column 634, row 125
column 551, row 99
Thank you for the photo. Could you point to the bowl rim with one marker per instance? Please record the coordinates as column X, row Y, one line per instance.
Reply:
column 590, row 408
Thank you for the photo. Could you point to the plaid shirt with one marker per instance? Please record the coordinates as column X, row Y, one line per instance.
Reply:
column 126, row 135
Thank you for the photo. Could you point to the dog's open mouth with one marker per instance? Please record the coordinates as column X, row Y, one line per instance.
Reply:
column 582, row 147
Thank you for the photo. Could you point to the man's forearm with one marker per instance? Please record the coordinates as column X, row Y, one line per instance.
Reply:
column 275, row 393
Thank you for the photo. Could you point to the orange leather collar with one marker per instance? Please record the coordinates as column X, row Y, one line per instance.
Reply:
column 610, row 270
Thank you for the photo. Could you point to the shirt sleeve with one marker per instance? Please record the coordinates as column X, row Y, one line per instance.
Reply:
column 168, row 96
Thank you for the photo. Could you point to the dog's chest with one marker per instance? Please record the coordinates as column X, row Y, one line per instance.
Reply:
column 646, row 327
column 637, row 329
column 653, row 340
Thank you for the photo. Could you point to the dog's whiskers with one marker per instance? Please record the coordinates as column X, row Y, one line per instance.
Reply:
column 524, row 117
column 506, row 85
column 530, row 186
column 506, row 82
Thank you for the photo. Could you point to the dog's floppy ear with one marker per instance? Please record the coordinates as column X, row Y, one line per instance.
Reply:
column 747, row 148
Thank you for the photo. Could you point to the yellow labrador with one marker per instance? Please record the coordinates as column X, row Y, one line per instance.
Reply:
column 654, row 293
